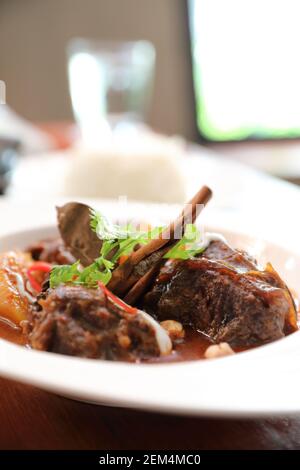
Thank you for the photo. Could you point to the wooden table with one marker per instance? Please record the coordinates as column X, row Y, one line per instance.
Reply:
column 34, row 419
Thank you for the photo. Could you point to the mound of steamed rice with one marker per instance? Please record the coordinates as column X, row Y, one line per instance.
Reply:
column 144, row 169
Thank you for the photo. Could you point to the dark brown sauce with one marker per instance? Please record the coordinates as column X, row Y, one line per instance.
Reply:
column 191, row 348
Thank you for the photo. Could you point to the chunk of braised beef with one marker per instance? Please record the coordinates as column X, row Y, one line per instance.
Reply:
column 52, row 250
column 82, row 322
column 224, row 295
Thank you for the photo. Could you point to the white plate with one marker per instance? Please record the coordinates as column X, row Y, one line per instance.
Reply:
column 258, row 382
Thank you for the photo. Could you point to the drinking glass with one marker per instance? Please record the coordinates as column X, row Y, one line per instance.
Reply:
column 110, row 84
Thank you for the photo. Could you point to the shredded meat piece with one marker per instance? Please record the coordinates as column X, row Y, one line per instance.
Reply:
column 52, row 250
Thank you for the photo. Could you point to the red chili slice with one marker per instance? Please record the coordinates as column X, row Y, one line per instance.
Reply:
column 36, row 267
column 127, row 308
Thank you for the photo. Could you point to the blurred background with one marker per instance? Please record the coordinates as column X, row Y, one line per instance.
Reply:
column 33, row 39
column 112, row 90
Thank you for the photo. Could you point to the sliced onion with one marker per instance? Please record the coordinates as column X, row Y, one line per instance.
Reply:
column 163, row 340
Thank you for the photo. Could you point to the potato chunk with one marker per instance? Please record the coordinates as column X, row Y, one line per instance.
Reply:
column 14, row 304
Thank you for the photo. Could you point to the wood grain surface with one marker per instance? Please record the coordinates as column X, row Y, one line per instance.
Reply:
column 34, row 419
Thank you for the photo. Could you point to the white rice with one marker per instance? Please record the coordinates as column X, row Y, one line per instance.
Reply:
column 145, row 168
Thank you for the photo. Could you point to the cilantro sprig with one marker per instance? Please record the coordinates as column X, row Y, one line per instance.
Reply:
column 118, row 242
column 188, row 246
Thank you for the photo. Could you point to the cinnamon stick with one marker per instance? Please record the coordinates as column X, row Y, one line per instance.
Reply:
column 126, row 275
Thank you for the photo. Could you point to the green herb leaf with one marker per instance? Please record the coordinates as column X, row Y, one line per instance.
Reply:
column 120, row 241
column 63, row 274
column 105, row 229
column 100, row 270
column 188, row 246
column 117, row 242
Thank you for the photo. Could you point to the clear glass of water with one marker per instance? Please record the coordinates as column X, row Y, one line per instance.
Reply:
column 110, row 84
